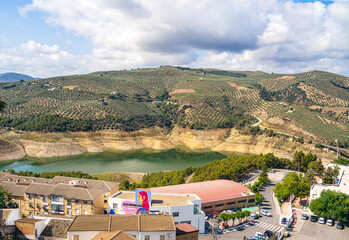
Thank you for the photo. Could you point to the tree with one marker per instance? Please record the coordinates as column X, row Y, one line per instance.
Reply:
column 331, row 204
column 2, row 106
column 246, row 213
column 297, row 159
column 258, row 199
column 342, row 161
column 316, row 166
column 310, row 175
column 239, row 215
column 293, row 183
column 330, row 175
column 233, row 217
column 5, row 198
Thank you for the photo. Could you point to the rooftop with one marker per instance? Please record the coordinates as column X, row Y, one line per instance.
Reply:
column 14, row 189
column 56, row 228
column 109, row 223
column 88, row 183
column 29, row 220
column 208, row 191
column 119, row 235
column 160, row 199
column 184, row 228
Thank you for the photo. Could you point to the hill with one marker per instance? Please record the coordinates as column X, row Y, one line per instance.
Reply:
column 13, row 77
column 313, row 105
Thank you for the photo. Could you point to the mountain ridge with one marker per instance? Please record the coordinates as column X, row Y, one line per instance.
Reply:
column 13, row 77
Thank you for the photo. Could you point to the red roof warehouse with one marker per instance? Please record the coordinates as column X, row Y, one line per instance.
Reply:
column 216, row 195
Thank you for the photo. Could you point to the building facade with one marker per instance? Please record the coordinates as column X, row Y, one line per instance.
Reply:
column 185, row 208
column 58, row 196
column 141, row 227
column 216, row 195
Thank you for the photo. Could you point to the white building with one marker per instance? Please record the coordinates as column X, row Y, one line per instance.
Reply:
column 141, row 227
column 341, row 185
column 185, row 208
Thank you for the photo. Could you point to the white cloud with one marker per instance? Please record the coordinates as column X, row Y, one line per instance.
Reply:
column 269, row 35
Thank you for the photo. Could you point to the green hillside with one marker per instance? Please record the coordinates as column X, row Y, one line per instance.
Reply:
column 197, row 98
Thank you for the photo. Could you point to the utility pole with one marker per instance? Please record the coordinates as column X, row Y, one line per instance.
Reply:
column 337, row 148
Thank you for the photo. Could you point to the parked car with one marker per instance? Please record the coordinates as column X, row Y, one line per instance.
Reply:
column 322, row 220
column 236, row 209
column 313, row 218
column 258, row 234
column 340, row 225
column 266, row 213
column 304, row 216
column 272, row 171
column 330, row 222
column 268, row 233
column 283, row 220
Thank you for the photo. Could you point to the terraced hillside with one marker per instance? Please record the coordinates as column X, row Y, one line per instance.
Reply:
column 315, row 101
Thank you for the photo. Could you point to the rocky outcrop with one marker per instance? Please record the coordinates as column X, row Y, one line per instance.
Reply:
column 65, row 144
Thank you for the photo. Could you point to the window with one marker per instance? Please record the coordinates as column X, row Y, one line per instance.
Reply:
column 105, row 201
column 176, row 223
column 85, row 202
column 251, row 201
column 196, row 209
column 85, row 212
column 76, row 201
column 146, row 237
column 189, row 222
column 175, row 214
column 115, row 206
column 219, row 205
column 162, row 237
column 242, row 201
column 69, row 202
column 207, row 207
column 105, row 194
column 231, row 203
column 77, row 211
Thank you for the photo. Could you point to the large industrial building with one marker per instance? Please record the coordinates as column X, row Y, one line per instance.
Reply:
column 215, row 195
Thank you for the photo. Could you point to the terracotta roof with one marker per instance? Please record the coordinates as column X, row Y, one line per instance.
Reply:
column 208, row 191
column 56, row 228
column 14, row 189
column 184, row 228
column 29, row 220
column 89, row 183
column 123, row 222
column 119, row 235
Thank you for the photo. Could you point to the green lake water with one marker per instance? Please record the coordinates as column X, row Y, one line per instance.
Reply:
column 130, row 161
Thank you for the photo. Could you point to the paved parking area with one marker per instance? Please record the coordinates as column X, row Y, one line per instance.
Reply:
column 314, row 230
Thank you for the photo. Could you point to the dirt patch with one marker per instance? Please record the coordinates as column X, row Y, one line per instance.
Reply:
column 234, row 85
column 70, row 87
column 183, row 90
column 285, row 78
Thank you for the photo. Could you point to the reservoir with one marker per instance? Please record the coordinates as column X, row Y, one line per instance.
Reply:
column 129, row 161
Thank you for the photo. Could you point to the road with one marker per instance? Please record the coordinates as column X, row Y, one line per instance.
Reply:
column 264, row 223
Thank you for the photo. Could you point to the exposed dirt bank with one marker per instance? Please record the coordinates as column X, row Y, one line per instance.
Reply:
column 64, row 144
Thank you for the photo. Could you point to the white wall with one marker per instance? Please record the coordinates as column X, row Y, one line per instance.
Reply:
column 83, row 235
column 170, row 235
column 186, row 212
column 12, row 217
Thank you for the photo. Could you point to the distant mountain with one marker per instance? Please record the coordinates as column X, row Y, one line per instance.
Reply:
column 13, row 77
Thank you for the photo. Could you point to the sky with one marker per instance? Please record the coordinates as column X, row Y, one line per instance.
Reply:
column 44, row 38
